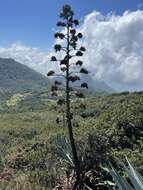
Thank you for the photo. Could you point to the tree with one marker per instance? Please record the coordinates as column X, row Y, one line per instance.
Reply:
column 70, row 68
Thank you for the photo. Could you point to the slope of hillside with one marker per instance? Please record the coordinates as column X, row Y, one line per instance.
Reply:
column 96, row 85
column 16, row 77
column 31, row 140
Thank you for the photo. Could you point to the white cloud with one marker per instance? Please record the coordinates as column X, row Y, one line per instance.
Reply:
column 31, row 57
column 114, row 49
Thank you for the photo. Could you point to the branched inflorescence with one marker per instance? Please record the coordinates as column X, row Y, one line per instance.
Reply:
column 70, row 67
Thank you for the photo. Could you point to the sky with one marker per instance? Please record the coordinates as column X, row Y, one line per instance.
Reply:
column 113, row 31
column 33, row 21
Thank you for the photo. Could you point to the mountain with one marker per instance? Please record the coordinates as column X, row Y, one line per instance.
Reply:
column 96, row 85
column 16, row 77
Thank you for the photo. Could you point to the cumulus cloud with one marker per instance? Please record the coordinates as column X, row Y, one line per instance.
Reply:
column 114, row 49
column 31, row 57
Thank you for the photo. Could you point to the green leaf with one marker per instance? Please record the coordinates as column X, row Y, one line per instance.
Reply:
column 120, row 181
column 136, row 179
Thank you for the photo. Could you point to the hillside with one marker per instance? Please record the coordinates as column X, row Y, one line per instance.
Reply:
column 96, row 86
column 32, row 143
column 16, row 77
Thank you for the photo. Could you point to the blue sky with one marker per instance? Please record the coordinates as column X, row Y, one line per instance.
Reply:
column 32, row 21
column 114, row 45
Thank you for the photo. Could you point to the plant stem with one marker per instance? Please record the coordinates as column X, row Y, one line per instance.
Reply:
column 68, row 109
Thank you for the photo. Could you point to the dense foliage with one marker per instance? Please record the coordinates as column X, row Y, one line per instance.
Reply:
column 33, row 152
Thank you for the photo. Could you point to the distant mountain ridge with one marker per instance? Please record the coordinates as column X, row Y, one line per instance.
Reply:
column 96, row 85
column 17, row 77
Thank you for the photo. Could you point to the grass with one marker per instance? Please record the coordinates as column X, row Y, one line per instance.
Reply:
column 31, row 140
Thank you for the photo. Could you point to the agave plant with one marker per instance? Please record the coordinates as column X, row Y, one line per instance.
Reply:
column 64, row 150
column 136, row 180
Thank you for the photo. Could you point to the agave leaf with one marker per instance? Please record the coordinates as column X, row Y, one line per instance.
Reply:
column 2, row 161
column 69, row 158
column 136, row 179
column 120, row 181
column 105, row 168
column 64, row 150
column 110, row 183
column 140, row 177
column 87, row 187
column 131, row 168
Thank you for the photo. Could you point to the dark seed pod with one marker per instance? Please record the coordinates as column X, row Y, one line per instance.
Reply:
column 79, row 35
column 66, row 9
column 79, row 63
column 71, row 79
column 66, row 12
column 53, row 58
column 73, row 44
column 57, row 47
column 73, row 31
column 74, row 78
column 84, row 71
column 50, row 73
column 79, row 53
column 54, row 88
column 82, row 48
column 84, row 85
column 62, row 24
column 63, row 62
column 74, row 38
column 56, row 35
column 63, row 69
column 58, row 82
column 76, row 22
column 59, row 35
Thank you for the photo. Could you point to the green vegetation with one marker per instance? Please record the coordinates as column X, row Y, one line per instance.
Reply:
column 136, row 180
column 18, row 78
column 32, row 144
column 61, row 139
